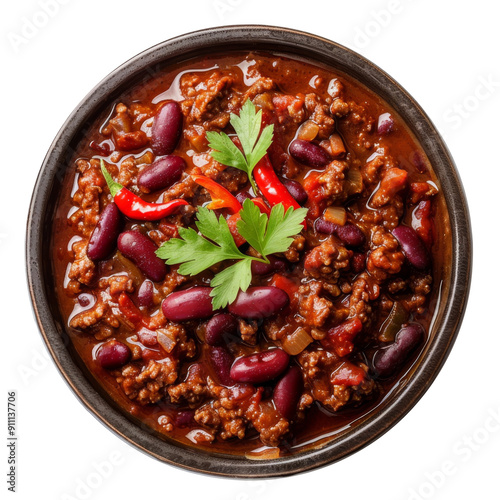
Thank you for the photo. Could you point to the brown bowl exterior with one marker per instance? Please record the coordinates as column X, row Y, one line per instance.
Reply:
column 288, row 42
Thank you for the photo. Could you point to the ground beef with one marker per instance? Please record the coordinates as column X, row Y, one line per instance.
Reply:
column 248, row 331
column 364, row 290
column 297, row 246
column 86, row 198
column 326, row 259
column 82, row 268
column 332, row 180
column 385, row 257
column 312, row 307
column 148, row 384
column 193, row 390
column 318, row 368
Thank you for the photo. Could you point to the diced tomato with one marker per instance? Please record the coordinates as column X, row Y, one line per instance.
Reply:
column 421, row 191
column 147, row 337
column 422, row 222
column 149, row 354
column 340, row 337
column 131, row 140
column 348, row 374
column 287, row 104
column 129, row 309
column 287, row 285
column 393, row 181
column 315, row 194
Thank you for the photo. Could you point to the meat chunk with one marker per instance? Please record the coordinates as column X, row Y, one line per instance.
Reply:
column 326, row 259
column 82, row 268
column 312, row 307
column 385, row 257
column 319, row 367
column 332, row 180
column 364, row 290
column 193, row 390
column 148, row 384
column 86, row 198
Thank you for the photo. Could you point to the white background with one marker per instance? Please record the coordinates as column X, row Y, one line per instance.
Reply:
column 445, row 53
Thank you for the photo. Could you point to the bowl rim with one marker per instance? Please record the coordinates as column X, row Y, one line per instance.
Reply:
column 283, row 40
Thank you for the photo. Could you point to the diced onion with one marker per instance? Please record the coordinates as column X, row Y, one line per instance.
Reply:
column 165, row 340
column 296, row 342
column 354, row 181
column 266, row 454
column 147, row 157
column 308, row 131
column 337, row 215
column 337, row 145
column 264, row 101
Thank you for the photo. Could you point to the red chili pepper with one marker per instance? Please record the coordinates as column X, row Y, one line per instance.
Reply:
column 261, row 204
column 221, row 197
column 135, row 207
column 271, row 187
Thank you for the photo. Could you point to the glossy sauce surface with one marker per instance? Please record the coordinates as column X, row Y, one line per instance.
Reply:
column 363, row 143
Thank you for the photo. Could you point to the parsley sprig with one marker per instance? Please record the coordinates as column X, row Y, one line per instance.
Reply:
column 198, row 251
column 247, row 126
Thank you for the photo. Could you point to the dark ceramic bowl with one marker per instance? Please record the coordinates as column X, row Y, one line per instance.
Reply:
column 457, row 272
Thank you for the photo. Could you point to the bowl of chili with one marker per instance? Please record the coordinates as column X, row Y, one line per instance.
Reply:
column 359, row 292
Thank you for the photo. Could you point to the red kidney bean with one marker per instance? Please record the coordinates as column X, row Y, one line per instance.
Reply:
column 162, row 173
column 287, row 392
column 103, row 239
column 413, row 247
column 275, row 264
column 141, row 251
column 222, row 360
column 260, row 367
column 324, row 226
column 113, row 354
column 220, row 326
column 296, row 190
column 193, row 303
column 145, row 294
column 184, row 418
column 349, row 233
column 259, row 302
column 309, row 153
column 388, row 359
column 167, row 128
column 385, row 124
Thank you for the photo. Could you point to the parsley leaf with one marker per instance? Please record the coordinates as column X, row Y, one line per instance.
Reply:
column 196, row 252
column 247, row 126
column 273, row 234
column 229, row 282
